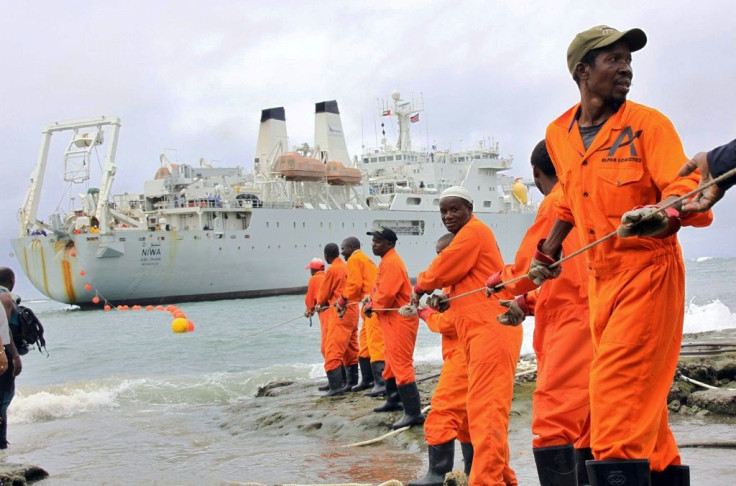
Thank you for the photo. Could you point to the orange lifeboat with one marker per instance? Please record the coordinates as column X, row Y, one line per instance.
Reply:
column 339, row 175
column 296, row 167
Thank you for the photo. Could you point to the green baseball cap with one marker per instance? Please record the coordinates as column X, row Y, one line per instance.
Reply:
column 602, row 36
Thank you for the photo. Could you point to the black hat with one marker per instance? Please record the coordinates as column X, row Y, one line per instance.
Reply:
column 384, row 234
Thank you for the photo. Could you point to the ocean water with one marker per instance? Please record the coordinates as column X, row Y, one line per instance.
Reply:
column 121, row 399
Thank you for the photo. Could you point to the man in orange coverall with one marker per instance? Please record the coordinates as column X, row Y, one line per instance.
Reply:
column 361, row 277
column 316, row 269
column 612, row 155
column 391, row 291
column 448, row 418
column 562, row 341
column 491, row 349
column 341, row 346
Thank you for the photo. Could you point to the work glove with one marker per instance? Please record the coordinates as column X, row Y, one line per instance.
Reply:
column 365, row 299
column 492, row 284
column 425, row 312
column 368, row 308
column 659, row 223
column 341, row 304
column 416, row 294
column 540, row 270
column 407, row 310
column 439, row 302
column 320, row 308
column 308, row 314
column 517, row 311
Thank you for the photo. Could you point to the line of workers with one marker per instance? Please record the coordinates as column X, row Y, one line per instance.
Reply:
column 608, row 326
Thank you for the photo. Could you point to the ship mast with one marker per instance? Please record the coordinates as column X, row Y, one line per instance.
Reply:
column 406, row 113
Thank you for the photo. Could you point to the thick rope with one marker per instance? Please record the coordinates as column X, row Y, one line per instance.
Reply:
column 704, row 385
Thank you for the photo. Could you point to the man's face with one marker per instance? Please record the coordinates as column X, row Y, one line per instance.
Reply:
column 346, row 249
column 455, row 213
column 380, row 246
column 610, row 76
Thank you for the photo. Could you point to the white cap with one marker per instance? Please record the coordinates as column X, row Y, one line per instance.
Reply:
column 457, row 191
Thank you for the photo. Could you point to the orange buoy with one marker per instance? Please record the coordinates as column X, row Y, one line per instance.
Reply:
column 95, row 300
column 159, row 307
column 83, row 273
column 149, row 308
column 190, row 326
column 179, row 313
column 137, row 307
column 87, row 287
column 107, row 307
column 74, row 253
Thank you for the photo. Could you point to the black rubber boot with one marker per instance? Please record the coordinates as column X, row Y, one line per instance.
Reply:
column 324, row 387
column 582, row 455
column 629, row 472
column 441, row 458
column 409, row 394
column 352, row 380
column 671, row 476
column 366, row 375
column 393, row 400
column 334, row 377
column 379, row 385
column 468, row 451
column 556, row 465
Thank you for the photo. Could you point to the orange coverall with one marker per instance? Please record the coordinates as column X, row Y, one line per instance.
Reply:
column 491, row 349
column 637, row 285
column 361, row 277
column 310, row 300
column 392, row 290
column 562, row 338
column 448, row 418
column 341, row 346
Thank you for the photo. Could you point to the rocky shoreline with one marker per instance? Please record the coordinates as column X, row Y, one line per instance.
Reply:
column 295, row 408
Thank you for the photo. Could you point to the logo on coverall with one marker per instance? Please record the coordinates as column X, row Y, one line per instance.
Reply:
column 616, row 478
column 626, row 139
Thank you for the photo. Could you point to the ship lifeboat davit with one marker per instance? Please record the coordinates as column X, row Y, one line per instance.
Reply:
column 520, row 191
column 339, row 175
column 296, row 167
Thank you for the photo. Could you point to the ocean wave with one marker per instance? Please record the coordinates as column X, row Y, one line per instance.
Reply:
column 47, row 403
column 713, row 316
column 703, row 259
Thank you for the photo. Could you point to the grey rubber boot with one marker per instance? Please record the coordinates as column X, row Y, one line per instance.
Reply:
column 366, row 375
column 468, row 452
column 379, row 385
column 671, row 476
column 337, row 385
column 629, row 472
column 393, row 400
column 409, row 394
column 441, row 458
column 581, row 456
column 556, row 465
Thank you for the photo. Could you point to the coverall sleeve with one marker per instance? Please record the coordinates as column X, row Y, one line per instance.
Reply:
column 311, row 298
column 352, row 290
column 562, row 208
column 531, row 300
column 538, row 230
column 665, row 156
column 442, row 323
column 452, row 264
column 391, row 279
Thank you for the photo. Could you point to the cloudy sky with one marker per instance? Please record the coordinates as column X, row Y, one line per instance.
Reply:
column 190, row 78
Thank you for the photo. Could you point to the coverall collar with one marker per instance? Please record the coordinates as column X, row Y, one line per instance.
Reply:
column 569, row 120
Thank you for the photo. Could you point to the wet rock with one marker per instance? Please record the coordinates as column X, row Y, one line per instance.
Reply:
column 456, row 478
column 269, row 389
column 20, row 474
column 674, row 405
column 716, row 401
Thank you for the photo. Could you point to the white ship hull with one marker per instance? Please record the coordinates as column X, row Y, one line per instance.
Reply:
column 135, row 266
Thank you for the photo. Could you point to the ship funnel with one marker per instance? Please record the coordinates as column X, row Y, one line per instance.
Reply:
column 328, row 135
column 272, row 140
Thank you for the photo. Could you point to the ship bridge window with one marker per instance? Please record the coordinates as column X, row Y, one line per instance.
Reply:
column 414, row 201
column 382, row 159
column 390, row 158
column 486, row 204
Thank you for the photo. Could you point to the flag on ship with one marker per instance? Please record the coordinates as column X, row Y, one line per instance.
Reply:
column 414, row 118
column 386, row 112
